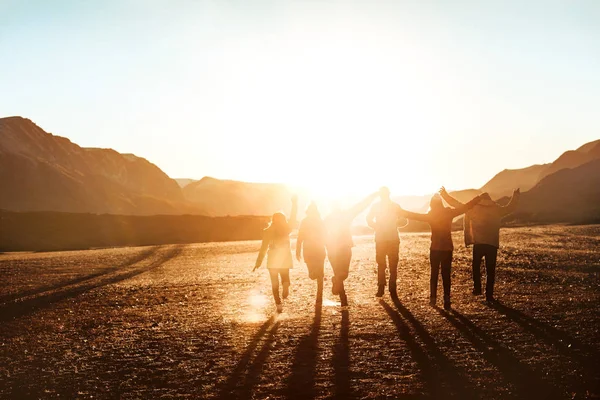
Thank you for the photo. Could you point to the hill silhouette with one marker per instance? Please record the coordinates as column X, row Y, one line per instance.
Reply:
column 568, row 195
column 504, row 182
column 43, row 172
column 226, row 197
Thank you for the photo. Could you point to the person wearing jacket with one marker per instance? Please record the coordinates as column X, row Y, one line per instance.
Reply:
column 339, row 242
column 482, row 230
column 311, row 242
column 384, row 218
column 276, row 245
column 440, row 253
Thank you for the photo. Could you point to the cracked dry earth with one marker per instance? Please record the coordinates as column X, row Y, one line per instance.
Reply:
column 194, row 321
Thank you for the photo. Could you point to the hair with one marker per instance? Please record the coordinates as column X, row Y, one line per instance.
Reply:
column 436, row 202
column 279, row 224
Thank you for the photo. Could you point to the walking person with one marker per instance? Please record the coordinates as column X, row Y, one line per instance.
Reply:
column 482, row 230
column 311, row 244
column 339, row 243
column 440, row 219
column 276, row 245
column 384, row 218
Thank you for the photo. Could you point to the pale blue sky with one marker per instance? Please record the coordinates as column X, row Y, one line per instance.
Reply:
column 412, row 94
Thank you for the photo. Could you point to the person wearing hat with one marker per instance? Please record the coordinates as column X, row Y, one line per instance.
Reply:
column 440, row 252
column 384, row 218
column 482, row 230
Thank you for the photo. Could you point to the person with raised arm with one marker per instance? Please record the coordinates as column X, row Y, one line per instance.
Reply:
column 276, row 246
column 482, row 230
column 384, row 217
column 311, row 244
column 440, row 219
column 339, row 243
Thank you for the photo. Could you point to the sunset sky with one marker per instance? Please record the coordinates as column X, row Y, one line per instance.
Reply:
column 340, row 96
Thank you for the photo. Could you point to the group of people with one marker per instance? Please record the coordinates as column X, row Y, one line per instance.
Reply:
column 331, row 237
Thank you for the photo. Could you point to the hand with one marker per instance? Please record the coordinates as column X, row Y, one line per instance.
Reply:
column 443, row 191
column 517, row 191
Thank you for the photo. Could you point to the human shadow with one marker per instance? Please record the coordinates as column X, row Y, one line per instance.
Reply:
column 341, row 360
column 9, row 311
column 526, row 381
column 301, row 383
column 564, row 343
column 247, row 372
column 59, row 285
column 430, row 374
column 458, row 385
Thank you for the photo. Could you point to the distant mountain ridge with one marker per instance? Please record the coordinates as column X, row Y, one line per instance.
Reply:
column 43, row 172
column 526, row 178
column 226, row 197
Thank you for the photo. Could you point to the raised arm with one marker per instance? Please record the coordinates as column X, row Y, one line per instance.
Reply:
column 513, row 203
column 413, row 215
column 449, row 199
column 263, row 251
column 466, row 207
column 364, row 203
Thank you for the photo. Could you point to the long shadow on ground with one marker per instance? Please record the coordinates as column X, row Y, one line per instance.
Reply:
column 341, row 361
column 18, row 309
column 566, row 344
column 528, row 383
column 434, row 366
column 247, row 373
column 301, row 383
column 59, row 285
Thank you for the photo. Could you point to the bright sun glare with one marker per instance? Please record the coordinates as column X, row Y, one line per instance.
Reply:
column 333, row 115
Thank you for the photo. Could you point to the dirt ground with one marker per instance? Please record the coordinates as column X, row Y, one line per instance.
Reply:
column 193, row 321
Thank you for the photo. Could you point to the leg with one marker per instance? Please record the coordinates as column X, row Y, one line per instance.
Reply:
column 393, row 257
column 434, row 260
column 490, row 269
column 446, row 262
column 478, row 252
column 274, row 275
column 381, row 264
column 320, row 290
column 334, row 261
column 285, row 282
column 342, row 274
column 320, row 274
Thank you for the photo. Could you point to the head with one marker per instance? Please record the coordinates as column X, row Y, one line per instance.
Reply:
column 278, row 220
column 384, row 193
column 312, row 210
column 436, row 202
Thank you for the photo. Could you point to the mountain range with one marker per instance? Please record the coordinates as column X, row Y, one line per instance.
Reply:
column 43, row 172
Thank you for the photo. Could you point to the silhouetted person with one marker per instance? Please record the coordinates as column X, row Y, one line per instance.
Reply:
column 339, row 244
column 482, row 230
column 440, row 253
column 311, row 242
column 276, row 245
column 384, row 218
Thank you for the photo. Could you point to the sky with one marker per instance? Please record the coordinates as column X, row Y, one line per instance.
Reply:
column 337, row 96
